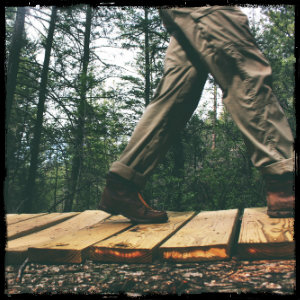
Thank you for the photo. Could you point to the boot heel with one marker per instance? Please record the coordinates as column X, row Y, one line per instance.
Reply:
column 280, row 214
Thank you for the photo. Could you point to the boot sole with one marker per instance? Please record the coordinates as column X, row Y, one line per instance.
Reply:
column 281, row 214
column 133, row 219
column 109, row 211
column 143, row 221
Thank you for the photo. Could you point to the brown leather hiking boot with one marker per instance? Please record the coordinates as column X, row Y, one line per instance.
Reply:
column 122, row 197
column 280, row 196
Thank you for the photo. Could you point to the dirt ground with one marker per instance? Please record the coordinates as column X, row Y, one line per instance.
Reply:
column 233, row 276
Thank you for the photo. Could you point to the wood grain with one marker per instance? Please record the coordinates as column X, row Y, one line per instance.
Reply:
column 186, row 237
column 265, row 237
column 208, row 236
column 15, row 218
column 73, row 248
column 16, row 250
column 31, row 225
column 138, row 244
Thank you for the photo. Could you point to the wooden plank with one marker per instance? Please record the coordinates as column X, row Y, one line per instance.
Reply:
column 28, row 226
column 208, row 236
column 15, row 218
column 265, row 237
column 16, row 250
column 73, row 248
column 138, row 244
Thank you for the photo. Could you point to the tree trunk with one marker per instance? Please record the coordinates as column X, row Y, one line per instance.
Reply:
column 214, row 118
column 13, row 60
column 11, row 82
column 30, row 189
column 79, row 135
column 147, row 58
column 55, row 185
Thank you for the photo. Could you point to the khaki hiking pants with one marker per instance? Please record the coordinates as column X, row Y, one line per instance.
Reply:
column 216, row 40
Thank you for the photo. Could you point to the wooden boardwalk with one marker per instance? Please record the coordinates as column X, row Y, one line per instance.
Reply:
column 187, row 237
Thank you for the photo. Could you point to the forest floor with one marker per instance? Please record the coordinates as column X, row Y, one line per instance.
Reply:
column 134, row 280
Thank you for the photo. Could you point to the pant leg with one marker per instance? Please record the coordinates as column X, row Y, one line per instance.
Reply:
column 222, row 40
column 174, row 102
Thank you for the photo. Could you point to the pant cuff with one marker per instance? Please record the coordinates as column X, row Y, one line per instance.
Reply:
column 128, row 173
column 279, row 168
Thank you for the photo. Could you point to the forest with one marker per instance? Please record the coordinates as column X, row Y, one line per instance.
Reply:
column 78, row 79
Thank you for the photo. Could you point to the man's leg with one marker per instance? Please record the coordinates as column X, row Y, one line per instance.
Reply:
column 222, row 40
column 175, row 100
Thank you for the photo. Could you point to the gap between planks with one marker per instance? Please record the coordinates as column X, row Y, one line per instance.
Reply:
column 32, row 225
column 15, row 218
column 208, row 236
column 17, row 249
column 273, row 239
column 138, row 244
column 72, row 248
